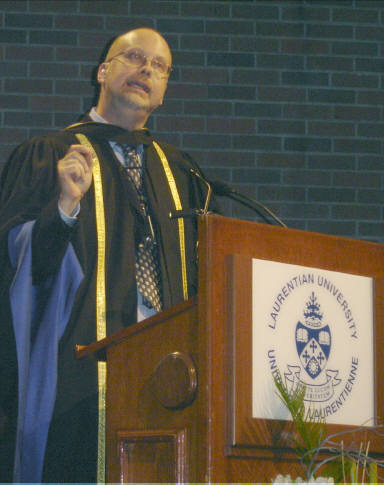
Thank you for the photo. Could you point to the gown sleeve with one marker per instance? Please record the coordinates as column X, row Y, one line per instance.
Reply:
column 29, row 192
column 38, row 286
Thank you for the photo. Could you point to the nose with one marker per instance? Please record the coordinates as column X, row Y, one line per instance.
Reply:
column 146, row 68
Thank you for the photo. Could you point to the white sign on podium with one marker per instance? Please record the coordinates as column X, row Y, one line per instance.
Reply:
column 315, row 327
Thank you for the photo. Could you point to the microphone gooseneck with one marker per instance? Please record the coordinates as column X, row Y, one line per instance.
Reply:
column 195, row 212
column 222, row 189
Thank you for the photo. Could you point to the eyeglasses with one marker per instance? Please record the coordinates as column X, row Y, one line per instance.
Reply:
column 137, row 58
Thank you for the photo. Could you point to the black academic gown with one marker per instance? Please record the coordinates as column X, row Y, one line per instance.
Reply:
column 30, row 192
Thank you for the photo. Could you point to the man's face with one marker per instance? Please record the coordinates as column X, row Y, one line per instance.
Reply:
column 126, row 84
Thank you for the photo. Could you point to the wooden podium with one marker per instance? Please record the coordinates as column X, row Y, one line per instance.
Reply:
column 179, row 384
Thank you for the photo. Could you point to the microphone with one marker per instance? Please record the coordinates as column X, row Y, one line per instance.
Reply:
column 222, row 189
column 187, row 213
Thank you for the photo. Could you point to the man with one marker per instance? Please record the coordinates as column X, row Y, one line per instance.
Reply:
column 79, row 208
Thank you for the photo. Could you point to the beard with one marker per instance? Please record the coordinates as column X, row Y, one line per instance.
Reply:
column 125, row 108
column 135, row 102
column 137, row 106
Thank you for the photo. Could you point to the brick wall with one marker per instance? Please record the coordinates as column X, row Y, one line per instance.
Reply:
column 282, row 99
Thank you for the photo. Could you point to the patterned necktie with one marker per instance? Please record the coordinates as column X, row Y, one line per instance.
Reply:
column 147, row 262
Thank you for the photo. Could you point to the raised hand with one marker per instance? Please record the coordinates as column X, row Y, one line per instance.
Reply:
column 75, row 176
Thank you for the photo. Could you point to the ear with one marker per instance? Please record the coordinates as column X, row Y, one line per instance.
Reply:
column 102, row 71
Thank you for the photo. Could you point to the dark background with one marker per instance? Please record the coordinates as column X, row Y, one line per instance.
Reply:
column 283, row 99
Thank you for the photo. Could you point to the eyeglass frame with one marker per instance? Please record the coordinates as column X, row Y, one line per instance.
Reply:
column 145, row 59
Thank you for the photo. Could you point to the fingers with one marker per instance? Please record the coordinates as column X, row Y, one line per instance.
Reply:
column 81, row 150
column 76, row 164
column 78, row 155
column 74, row 174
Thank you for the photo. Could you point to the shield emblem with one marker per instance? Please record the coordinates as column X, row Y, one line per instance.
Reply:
column 313, row 346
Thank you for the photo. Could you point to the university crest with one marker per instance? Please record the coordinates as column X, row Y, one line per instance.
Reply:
column 313, row 344
column 313, row 339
